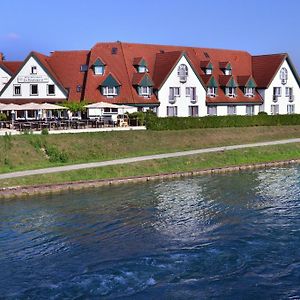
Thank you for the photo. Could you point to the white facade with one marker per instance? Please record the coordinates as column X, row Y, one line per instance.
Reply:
column 283, row 101
column 182, row 102
column 4, row 78
column 32, row 74
column 240, row 109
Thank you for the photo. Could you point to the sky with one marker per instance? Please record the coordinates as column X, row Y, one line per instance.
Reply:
column 257, row 26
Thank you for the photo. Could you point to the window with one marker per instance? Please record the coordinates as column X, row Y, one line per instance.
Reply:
column 261, row 108
column 34, row 90
column 172, row 111
column 110, row 91
column 182, row 73
column 230, row 91
column 290, row 109
column 211, row 91
column 78, row 88
column 33, row 70
column 17, row 90
column 283, row 75
column 208, row 71
column 276, row 93
column 84, row 68
column 231, row 110
column 227, row 72
column 144, row 91
column 142, row 69
column 212, row 110
column 191, row 92
column 249, row 110
column 194, row 111
column 249, row 91
column 289, row 93
column 173, row 93
column 274, row 109
column 98, row 70
column 51, row 89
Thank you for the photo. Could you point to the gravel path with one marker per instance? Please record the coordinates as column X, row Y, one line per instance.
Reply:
column 141, row 158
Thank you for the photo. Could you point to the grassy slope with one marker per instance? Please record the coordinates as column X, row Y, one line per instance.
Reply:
column 24, row 152
column 197, row 162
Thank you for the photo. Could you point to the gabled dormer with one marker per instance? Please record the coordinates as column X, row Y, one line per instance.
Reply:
column 140, row 64
column 212, row 87
column 143, row 84
column 110, row 87
column 229, row 84
column 98, row 67
column 248, row 84
column 207, row 67
column 226, row 67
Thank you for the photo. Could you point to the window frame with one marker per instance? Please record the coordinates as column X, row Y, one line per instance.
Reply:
column 107, row 93
column 98, row 68
column 37, row 89
column 14, row 90
column 174, row 109
column 229, row 107
column 212, row 110
column 276, row 110
column 48, row 92
column 33, row 70
column 290, row 112
column 252, row 110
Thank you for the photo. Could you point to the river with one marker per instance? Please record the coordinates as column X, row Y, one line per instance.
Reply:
column 233, row 236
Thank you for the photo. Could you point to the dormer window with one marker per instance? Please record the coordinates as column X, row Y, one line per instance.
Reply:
column 249, row 91
column 110, row 87
column 227, row 71
column 230, row 92
column 140, row 64
column 208, row 71
column 182, row 73
column 226, row 68
column 142, row 69
column 98, row 67
column 109, row 91
column 145, row 91
column 33, row 70
column 211, row 91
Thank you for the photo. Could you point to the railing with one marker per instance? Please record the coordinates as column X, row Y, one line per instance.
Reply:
column 172, row 99
column 194, row 99
column 182, row 78
column 291, row 98
column 211, row 95
column 231, row 95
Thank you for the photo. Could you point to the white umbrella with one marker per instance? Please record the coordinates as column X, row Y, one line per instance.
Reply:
column 49, row 106
column 2, row 106
column 31, row 106
column 12, row 106
column 102, row 105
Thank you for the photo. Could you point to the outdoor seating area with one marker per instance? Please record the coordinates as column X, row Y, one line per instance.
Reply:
column 37, row 117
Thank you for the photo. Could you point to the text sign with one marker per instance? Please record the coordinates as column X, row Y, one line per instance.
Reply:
column 33, row 79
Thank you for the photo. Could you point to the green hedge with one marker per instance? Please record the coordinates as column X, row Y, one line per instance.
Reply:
column 177, row 123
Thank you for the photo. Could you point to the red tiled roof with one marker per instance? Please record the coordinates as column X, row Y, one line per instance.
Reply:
column 66, row 66
column 265, row 68
column 224, row 79
column 12, row 66
column 205, row 78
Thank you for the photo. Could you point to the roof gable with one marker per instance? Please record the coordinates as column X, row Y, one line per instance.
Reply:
column 110, row 81
column 41, row 60
column 98, row 63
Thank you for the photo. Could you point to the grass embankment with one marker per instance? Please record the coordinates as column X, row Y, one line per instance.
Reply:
column 25, row 152
column 180, row 164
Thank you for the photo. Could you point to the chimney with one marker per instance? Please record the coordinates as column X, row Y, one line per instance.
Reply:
column 1, row 56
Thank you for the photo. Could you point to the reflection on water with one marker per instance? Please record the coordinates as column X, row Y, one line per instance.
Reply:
column 222, row 236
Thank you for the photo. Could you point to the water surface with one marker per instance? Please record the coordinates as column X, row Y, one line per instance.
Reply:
column 231, row 236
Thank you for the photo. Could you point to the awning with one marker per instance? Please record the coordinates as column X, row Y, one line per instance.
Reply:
column 31, row 106
column 12, row 106
column 49, row 106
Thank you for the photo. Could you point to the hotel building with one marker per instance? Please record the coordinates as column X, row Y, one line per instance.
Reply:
column 170, row 80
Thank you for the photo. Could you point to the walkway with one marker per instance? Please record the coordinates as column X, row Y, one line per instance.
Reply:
column 142, row 158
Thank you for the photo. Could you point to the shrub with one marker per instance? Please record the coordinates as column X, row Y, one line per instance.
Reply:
column 45, row 131
column 55, row 155
column 175, row 123
column 262, row 113
column 3, row 117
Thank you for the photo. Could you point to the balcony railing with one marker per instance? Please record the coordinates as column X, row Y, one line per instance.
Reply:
column 182, row 79
column 194, row 99
column 275, row 98
column 291, row 98
column 172, row 99
column 211, row 95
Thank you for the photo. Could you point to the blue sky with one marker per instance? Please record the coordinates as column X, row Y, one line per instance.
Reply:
column 258, row 26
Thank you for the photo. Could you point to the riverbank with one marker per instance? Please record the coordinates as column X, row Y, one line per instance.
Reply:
column 27, row 152
column 163, row 169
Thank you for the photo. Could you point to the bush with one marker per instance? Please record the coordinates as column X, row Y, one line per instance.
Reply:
column 3, row 117
column 175, row 123
column 262, row 113
column 55, row 155
column 45, row 131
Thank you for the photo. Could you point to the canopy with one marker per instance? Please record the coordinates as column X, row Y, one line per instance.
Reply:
column 102, row 105
column 11, row 106
column 31, row 106
column 49, row 106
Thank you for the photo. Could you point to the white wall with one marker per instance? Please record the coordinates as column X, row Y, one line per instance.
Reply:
column 182, row 102
column 4, row 78
column 25, row 87
column 283, row 101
